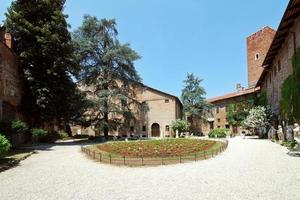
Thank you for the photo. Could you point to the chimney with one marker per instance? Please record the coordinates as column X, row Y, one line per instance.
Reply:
column 239, row 87
column 8, row 40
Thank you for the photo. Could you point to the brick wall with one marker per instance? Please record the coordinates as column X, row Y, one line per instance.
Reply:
column 281, row 68
column 258, row 45
column 10, row 86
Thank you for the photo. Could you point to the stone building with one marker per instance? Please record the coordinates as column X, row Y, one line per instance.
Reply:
column 258, row 45
column 10, row 86
column 278, row 62
column 162, row 110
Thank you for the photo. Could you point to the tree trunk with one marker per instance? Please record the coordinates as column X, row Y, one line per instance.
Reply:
column 105, row 129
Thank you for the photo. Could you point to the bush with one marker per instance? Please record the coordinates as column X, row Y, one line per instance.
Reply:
column 289, row 144
column 63, row 135
column 19, row 126
column 218, row 133
column 38, row 132
column 180, row 126
column 4, row 145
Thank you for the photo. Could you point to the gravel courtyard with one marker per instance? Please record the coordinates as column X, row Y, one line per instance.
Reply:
column 248, row 169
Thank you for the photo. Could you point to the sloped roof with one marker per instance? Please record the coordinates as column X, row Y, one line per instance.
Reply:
column 163, row 93
column 234, row 95
column 291, row 13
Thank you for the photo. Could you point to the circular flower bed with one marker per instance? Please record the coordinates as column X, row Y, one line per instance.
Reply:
column 157, row 148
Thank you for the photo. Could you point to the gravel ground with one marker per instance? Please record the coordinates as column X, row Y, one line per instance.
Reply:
column 248, row 169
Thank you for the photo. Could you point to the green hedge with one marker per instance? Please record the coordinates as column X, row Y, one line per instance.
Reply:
column 19, row 126
column 218, row 133
column 4, row 146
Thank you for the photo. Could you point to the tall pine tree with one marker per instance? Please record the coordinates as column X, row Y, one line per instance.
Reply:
column 193, row 100
column 108, row 73
column 43, row 44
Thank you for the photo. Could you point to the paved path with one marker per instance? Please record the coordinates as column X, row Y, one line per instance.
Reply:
column 248, row 169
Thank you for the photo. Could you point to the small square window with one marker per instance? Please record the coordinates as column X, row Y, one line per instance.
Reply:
column 219, row 120
column 167, row 100
column 144, row 128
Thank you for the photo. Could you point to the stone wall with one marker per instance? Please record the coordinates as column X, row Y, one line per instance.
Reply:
column 281, row 68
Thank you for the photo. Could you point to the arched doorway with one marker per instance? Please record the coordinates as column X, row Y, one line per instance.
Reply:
column 155, row 130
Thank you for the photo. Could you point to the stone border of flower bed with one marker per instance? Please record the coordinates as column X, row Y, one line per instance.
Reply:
column 157, row 161
column 12, row 162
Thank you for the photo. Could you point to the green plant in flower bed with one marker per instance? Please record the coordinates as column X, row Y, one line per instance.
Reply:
column 4, row 145
column 289, row 144
column 218, row 133
column 157, row 148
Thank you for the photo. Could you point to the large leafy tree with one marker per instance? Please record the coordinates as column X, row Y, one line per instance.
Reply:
column 237, row 112
column 193, row 99
column 43, row 44
column 108, row 73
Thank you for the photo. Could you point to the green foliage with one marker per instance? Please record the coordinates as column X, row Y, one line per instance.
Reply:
column 38, row 132
column 219, row 133
column 19, row 126
column 108, row 73
column 43, row 44
column 63, row 135
column 258, row 117
column 4, row 146
column 237, row 113
column 193, row 99
column 290, row 93
column 261, row 99
column 289, row 144
column 180, row 126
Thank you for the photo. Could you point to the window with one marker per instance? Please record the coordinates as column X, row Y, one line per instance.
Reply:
column 257, row 56
column 167, row 128
column 279, row 65
column 144, row 128
column 219, row 120
column 131, row 128
column 166, row 100
column 218, row 109
column 219, row 126
column 227, row 126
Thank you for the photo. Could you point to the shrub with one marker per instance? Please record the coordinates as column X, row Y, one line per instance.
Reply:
column 218, row 133
column 180, row 126
column 19, row 126
column 289, row 144
column 63, row 135
column 4, row 145
column 38, row 132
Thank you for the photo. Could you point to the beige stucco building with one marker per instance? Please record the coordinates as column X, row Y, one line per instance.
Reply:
column 155, row 121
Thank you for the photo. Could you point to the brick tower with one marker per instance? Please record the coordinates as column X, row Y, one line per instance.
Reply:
column 258, row 45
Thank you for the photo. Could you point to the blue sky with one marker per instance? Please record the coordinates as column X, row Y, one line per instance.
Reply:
column 176, row 37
